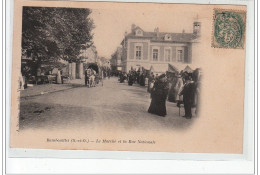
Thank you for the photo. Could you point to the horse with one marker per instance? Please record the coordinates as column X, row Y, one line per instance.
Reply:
column 87, row 77
column 92, row 82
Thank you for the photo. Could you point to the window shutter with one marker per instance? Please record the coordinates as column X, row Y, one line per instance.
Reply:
column 186, row 55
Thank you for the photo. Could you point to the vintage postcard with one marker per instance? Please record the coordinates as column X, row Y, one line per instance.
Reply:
column 152, row 77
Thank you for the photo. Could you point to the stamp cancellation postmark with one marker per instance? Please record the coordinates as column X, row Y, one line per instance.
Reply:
column 229, row 29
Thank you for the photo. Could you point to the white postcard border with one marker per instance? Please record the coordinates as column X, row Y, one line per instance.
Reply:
column 241, row 163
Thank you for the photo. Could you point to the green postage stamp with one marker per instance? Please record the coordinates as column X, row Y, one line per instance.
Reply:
column 229, row 29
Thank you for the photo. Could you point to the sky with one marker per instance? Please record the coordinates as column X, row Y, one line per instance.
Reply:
column 112, row 23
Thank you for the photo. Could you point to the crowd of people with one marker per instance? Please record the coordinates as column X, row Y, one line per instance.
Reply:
column 180, row 88
column 133, row 77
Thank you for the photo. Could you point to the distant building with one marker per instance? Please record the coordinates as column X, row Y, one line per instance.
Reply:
column 89, row 55
column 119, row 58
column 155, row 50
column 116, row 59
column 76, row 70
column 102, row 61
column 113, row 62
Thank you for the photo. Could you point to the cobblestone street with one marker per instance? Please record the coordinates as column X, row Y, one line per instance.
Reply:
column 112, row 105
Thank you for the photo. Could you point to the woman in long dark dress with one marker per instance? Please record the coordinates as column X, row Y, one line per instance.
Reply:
column 122, row 78
column 130, row 79
column 142, row 80
column 159, row 95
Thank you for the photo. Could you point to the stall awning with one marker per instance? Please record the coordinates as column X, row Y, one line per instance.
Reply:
column 187, row 69
column 159, row 68
column 151, row 69
column 180, row 67
column 172, row 69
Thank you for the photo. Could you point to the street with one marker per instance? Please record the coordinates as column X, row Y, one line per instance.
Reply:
column 56, row 46
column 112, row 105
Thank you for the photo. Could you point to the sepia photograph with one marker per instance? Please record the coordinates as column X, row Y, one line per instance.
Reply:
column 63, row 74
column 128, row 76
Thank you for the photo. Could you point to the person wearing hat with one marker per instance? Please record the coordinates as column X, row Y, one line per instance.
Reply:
column 172, row 92
column 188, row 96
column 142, row 80
column 87, row 74
column 178, row 89
column 150, row 79
column 130, row 78
column 58, row 77
column 159, row 94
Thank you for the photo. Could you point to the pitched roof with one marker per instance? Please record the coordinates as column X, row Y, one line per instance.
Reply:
column 172, row 68
column 175, row 37
column 156, row 68
column 188, row 69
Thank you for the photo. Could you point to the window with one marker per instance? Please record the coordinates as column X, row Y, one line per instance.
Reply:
column 139, row 32
column 180, row 55
column 138, row 52
column 167, row 54
column 167, row 37
column 196, row 26
column 155, row 54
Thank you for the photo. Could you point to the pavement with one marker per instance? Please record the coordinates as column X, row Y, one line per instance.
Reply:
column 41, row 89
column 114, row 104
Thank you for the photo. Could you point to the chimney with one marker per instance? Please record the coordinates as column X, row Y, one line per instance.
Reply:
column 196, row 28
column 156, row 30
column 133, row 28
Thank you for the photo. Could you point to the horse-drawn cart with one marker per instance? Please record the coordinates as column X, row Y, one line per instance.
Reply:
column 93, row 75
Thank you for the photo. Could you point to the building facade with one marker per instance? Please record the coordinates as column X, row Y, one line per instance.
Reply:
column 76, row 70
column 119, row 58
column 155, row 50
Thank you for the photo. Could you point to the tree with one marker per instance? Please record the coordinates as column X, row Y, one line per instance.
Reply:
column 50, row 34
column 113, row 61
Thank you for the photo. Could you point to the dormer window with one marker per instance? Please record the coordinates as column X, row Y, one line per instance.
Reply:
column 139, row 32
column 167, row 37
